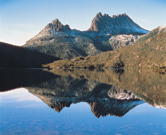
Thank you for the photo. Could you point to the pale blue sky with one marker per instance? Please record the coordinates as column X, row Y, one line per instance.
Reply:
column 20, row 20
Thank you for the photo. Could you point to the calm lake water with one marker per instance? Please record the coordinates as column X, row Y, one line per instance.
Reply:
column 82, row 102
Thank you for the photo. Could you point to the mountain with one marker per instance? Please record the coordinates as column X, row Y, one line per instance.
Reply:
column 18, row 57
column 120, row 24
column 63, row 42
column 146, row 54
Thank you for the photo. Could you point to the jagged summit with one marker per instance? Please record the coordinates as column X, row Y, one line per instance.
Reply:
column 56, row 20
column 117, row 24
column 49, row 32
column 56, row 25
column 114, row 16
column 99, row 15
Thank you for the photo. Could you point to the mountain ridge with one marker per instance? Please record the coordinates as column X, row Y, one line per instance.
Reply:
column 55, row 26
column 61, row 41
column 117, row 24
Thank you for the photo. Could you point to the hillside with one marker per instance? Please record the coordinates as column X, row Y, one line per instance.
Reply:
column 148, row 53
column 18, row 57
column 154, row 32
column 63, row 42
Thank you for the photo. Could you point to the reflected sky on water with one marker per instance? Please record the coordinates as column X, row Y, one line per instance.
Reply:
column 24, row 113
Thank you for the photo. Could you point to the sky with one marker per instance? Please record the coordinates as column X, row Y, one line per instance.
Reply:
column 21, row 20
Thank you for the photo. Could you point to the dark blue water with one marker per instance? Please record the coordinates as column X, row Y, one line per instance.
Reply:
column 24, row 113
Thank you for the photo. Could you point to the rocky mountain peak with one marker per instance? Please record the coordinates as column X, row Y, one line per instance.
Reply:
column 56, row 21
column 49, row 32
column 95, row 22
column 124, row 14
column 106, row 15
column 99, row 15
column 57, row 26
column 120, row 15
column 117, row 24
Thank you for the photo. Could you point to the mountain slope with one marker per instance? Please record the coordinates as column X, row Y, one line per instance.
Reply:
column 15, row 57
column 154, row 32
column 63, row 42
column 149, row 53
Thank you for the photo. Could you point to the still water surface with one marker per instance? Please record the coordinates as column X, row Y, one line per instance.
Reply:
column 65, row 102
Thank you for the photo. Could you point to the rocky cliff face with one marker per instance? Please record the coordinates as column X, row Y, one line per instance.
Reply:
column 63, row 42
column 117, row 24
column 119, row 41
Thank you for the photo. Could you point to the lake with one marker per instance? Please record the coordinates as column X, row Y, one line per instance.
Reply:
column 113, row 102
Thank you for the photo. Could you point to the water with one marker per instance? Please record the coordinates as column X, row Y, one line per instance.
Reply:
column 82, row 102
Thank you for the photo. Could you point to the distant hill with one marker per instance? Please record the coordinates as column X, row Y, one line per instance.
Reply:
column 63, row 42
column 18, row 57
column 148, row 53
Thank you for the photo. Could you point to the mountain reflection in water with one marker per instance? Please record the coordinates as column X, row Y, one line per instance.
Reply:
column 107, row 92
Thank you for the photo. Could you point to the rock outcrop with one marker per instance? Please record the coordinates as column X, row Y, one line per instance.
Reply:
column 119, row 41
